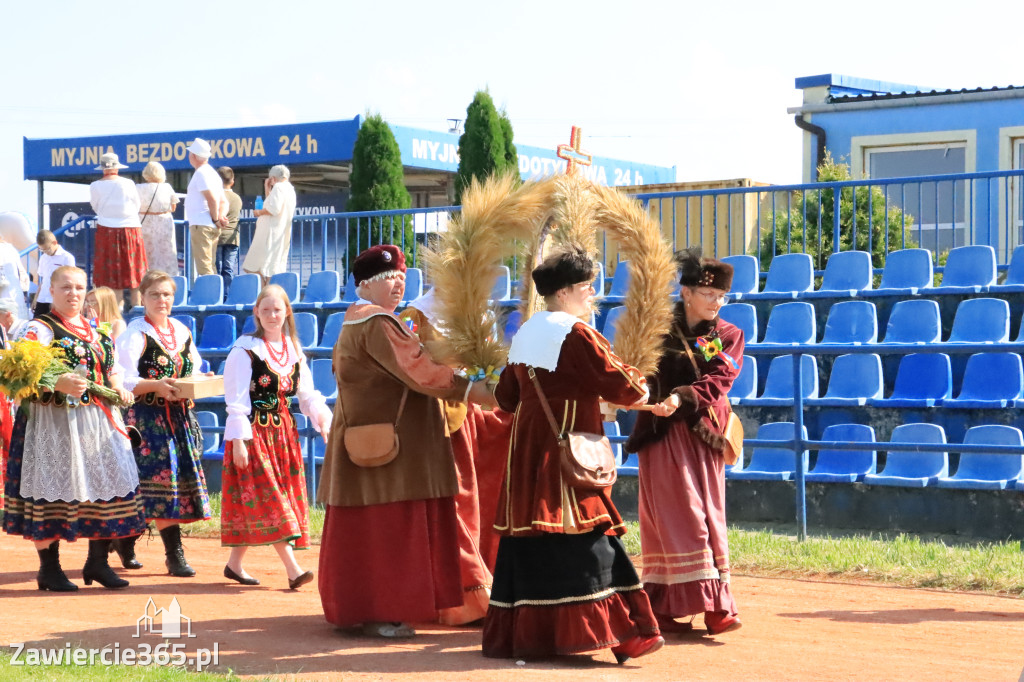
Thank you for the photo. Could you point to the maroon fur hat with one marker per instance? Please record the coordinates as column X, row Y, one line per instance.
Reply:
column 376, row 262
column 696, row 271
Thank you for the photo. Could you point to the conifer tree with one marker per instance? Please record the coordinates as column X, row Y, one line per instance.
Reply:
column 486, row 145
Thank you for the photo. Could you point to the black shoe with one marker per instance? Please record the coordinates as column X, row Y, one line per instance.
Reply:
column 96, row 567
column 125, row 548
column 300, row 580
column 51, row 576
column 231, row 575
column 175, row 562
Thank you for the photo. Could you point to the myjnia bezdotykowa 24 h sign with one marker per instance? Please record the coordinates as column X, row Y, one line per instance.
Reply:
column 295, row 145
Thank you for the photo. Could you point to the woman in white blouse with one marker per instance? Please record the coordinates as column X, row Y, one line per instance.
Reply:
column 268, row 252
column 154, row 352
column 264, row 500
column 120, row 258
column 158, row 202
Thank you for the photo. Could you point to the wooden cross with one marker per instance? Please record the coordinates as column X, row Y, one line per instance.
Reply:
column 573, row 155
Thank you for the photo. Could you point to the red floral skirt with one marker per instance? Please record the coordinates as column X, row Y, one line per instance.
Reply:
column 120, row 260
column 6, row 424
column 395, row 562
column 265, row 502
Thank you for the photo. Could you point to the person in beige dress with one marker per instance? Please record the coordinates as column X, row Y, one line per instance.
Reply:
column 268, row 253
column 158, row 202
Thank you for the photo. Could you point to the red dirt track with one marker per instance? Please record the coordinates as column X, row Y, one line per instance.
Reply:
column 793, row 629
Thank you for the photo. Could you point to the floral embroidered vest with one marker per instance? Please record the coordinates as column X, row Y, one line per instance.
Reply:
column 270, row 393
column 156, row 363
column 96, row 357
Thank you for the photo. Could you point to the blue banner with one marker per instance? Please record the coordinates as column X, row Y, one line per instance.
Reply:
column 293, row 144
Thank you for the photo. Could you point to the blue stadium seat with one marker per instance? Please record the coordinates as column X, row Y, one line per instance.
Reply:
column 906, row 272
column 513, row 322
column 914, row 322
column 1014, row 283
column 969, row 270
column 332, row 330
column 221, row 366
column 206, row 291
column 844, row 466
column 190, row 323
column 847, row 273
column 923, row 380
column 611, row 429
column 323, row 377
column 218, row 332
column 789, row 276
column 778, row 386
column 620, row 283
column 611, row 323
column 770, row 464
column 211, row 441
column 987, row 471
column 981, row 320
column 502, row 290
column 180, row 290
column 851, row 323
column 744, row 316
column 599, row 281
column 413, row 284
column 991, row 380
column 243, row 292
column 746, row 275
column 306, row 329
column 350, row 290
column 913, row 469
column 853, row 381
column 289, row 281
column 249, row 325
column 791, row 324
column 744, row 386
column 322, row 287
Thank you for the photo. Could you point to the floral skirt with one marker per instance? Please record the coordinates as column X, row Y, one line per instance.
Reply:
column 52, row 520
column 120, row 260
column 161, row 242
column 171, row 478
column 6, row 424
column 265, row 502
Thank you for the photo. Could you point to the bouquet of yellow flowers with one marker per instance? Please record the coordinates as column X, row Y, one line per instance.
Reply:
column 29, row 366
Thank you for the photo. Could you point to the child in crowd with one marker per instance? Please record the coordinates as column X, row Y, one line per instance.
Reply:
column 102, row 306
column 51, row 256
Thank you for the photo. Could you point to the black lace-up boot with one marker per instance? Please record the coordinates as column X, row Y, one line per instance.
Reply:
column 176, row 564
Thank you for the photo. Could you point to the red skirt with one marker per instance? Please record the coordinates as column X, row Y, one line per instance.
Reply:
column 395, row 562
column 120, row 260
column 6, row 423
column 265, row 502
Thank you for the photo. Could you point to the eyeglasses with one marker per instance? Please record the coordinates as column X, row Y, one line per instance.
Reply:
column 720, row 299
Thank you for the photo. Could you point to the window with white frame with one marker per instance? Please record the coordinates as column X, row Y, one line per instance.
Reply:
column 938, row 207
column 1018, row 195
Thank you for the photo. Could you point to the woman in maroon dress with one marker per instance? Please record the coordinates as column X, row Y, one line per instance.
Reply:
column 682, row 471
column 563, row 583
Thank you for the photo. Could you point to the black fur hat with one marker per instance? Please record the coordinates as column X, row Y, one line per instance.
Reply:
column 564, row 268
column 697, row 271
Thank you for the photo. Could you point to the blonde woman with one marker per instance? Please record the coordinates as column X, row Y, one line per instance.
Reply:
column 102, row 307
column 158, row 202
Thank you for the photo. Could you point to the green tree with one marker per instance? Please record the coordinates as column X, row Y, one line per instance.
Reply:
column 377, row 184
column 486, row 145
column 801, row 219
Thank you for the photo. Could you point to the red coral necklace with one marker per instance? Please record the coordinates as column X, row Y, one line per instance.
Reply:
column 83, row 332
column 167, row 340
column 278, row 358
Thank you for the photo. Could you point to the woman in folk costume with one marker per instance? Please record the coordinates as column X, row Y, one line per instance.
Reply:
column 563, row 583
column 389, row 554
column 71, row 473
column 463, row 419
column 264, row 478
column 682, row 470
column 154, row 352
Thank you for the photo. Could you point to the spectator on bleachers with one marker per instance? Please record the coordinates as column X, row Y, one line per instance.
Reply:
column 51, row 256
column 14, row 280
column 153, row 353
column 563, row 582
column 682, row 470
column 399, row 519
column 120, row 259
column 203, row 209
column 268, row 253
column 102, row 307
column 227, row 243
column 264, row 482
column 158, row 201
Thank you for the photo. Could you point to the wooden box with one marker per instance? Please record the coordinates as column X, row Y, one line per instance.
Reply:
column 196, row 387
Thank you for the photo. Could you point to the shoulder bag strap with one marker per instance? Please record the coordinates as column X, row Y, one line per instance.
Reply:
column 398, row 417
column 544, row 403
column 689, row 353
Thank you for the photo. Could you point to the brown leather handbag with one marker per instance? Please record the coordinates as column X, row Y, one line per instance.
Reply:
column 372, row 445
column 586, row 459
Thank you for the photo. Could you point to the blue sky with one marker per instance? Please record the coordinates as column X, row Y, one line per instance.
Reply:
column 703, row 88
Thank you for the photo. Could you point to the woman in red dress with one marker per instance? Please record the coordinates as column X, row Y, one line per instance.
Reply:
column 563, row 583
column 682, row 471
column 264, row 478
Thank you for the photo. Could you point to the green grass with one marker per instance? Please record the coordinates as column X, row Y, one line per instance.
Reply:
column 88, row 673
column 907, row 560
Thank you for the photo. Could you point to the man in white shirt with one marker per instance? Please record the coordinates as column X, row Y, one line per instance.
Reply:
column 51, row 256
column 203, row 203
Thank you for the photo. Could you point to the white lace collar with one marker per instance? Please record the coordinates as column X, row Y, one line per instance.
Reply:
column 538, row 342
